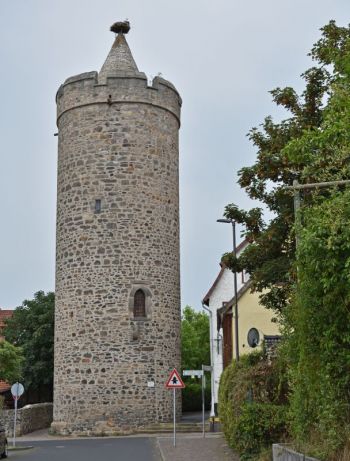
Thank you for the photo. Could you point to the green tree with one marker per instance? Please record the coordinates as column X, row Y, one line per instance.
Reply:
column 317, row 320
column 319, row 338
column 195, row 351
column 309, row 287
column 32, row 328
column 311, row 145
column 195, row 345
column 11, row 360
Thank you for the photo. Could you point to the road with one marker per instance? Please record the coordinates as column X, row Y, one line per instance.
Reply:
column 106, row 449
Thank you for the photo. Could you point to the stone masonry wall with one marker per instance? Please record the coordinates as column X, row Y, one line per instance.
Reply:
column 29, row 418
column 118, row 143
column 281, row 452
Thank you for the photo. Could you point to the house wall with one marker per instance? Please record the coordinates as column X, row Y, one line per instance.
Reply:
column 252, row 315
column 223, row 292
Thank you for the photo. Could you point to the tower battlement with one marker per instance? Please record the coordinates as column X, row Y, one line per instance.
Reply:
column 123, row 87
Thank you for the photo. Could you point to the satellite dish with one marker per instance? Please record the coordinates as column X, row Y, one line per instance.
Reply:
column 253, row 337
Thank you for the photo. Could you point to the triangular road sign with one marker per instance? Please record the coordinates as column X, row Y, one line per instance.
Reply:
column 174, row 381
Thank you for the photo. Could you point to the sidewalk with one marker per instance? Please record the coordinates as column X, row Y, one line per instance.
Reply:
column 196, row 448
column 37, row 436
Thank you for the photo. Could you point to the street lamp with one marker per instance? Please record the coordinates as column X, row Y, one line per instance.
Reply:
column 233, row 223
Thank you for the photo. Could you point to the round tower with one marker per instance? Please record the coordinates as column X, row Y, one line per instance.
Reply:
column 117, row 332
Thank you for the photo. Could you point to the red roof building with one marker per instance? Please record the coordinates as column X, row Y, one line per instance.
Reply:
column 4, row 314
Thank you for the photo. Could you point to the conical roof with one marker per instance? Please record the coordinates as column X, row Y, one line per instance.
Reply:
column 118, row 60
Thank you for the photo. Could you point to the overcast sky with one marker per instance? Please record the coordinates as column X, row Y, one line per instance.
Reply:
column 223, row 56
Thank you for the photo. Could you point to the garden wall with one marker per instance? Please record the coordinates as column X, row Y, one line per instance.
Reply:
column 29, row 418
column 283, row 453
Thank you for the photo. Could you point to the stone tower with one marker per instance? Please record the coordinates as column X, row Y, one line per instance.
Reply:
column 117, row 333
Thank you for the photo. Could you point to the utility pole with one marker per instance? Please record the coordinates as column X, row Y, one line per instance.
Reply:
column 296, row 209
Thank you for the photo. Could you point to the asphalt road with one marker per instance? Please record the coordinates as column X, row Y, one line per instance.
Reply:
column 120, row 449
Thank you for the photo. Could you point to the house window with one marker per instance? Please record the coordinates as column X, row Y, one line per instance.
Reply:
column 139, row 304
column 97, row 205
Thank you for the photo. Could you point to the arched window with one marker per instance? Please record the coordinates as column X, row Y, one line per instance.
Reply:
column 139, row 304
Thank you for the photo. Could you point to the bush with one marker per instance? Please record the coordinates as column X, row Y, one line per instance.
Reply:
column 252, row 404
column 192, row 397
column 318, row 319
column 258, row 426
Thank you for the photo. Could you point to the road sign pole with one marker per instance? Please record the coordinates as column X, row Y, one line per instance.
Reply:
column 203, row 405
column 174, row 382
column 14, row 424
column 174, row 390
column 17, row 390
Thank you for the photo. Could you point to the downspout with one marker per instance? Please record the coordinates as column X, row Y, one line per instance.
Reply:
column 211, row 341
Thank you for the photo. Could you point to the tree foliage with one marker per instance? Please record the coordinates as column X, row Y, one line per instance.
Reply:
column 195, row 351
column 310, row 286
column 32, row 328
column 318, row 317
column 11, row 360
column 319, row 336
column 195, row 344
column 310, row 146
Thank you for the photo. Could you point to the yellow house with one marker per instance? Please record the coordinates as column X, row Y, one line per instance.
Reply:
column 255, row 325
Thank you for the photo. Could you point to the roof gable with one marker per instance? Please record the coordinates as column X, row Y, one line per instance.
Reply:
column 239, row 250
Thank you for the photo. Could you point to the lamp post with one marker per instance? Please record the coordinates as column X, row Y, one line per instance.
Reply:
column 233, row 223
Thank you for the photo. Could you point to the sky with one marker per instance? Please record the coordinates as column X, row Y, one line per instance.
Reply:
column 223, row 57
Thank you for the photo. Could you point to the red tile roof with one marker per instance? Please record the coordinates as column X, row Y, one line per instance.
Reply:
column 4, row 387
column 4, row 314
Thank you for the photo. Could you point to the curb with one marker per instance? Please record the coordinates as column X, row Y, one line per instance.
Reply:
column 26, row 447
column 160, row 450
column 24, row 439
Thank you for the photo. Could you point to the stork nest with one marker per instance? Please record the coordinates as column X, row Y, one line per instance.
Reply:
column 121, row 27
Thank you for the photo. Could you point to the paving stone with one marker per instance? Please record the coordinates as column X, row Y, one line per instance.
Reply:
column 210, row 448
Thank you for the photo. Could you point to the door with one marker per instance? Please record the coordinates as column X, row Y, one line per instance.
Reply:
column 227, row 331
